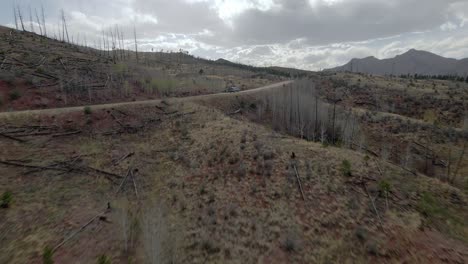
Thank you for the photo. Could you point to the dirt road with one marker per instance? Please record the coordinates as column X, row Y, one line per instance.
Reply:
column 52, row 111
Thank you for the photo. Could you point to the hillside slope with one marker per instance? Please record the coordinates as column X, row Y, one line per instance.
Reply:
column 411, row 62
column 39, row 72
column 206, row 188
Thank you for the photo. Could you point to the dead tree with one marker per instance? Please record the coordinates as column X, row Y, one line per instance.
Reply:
column 38, row 21
column 20, row 16
column 334, row 101
column 43, row 21
column 31, row 23
column 136, row 44
column 113, row 45
column 16, row 17
column 123, row 44
column 64, row 26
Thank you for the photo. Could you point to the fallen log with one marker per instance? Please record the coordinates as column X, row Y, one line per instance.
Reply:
column 123, row 158
column 67, row 167
column 104, row 172
column 9, row 163
column 12, row 138
column 299, row 183
column 123, row 182
column 77, row 231
column 66, row 134
column 236, row 112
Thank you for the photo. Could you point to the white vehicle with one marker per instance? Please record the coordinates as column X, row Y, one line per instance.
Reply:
column 233, row 89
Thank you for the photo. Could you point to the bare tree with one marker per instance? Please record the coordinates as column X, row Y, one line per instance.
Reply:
column 20, row 16
column 136, row 44
column 31, row 23
column 323, row 133
column 16, row 17
column 123, row 44
column 65, row 27
column 113, row 45
column 38, row 21
column 43, row 20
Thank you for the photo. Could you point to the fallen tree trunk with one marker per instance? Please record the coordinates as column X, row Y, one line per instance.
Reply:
column 299, row 183
column 12, row 138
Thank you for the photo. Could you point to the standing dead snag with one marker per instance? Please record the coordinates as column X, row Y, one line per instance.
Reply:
column 43, row 20
column 38, row 21
column 20, row 16
column 31, row 23
column 64, row 27
column 16, row 17
column 136, row 44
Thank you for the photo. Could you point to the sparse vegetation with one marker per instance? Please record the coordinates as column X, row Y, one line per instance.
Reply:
column 87, row 110
column 14, row 95
column 290, row 244
column 47, row 256
column 6, row 199
column 103, row 259
column 346, row 168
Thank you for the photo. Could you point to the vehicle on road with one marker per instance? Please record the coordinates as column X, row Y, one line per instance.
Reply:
column 233, row 89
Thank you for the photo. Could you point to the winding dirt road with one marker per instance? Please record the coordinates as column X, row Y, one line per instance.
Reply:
column 52, row 111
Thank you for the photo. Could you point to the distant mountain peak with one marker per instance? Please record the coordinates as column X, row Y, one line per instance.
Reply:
column 411, row 62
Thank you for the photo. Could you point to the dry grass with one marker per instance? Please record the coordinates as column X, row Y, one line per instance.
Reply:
column 201, row 199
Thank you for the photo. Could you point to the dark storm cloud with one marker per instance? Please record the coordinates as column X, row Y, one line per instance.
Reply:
column 179, row 16
column 321, row 22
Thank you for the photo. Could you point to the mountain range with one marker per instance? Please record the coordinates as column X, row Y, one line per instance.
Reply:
column 412, row 62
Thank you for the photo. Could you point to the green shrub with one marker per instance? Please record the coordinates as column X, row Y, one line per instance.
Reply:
column 346, row 168
column 87, row 110
column 14, row 95
column 163, row 87
column 290, row 244
column 40, row 69
column 429, row 206
column 120, row 68
column 104, row 260
column 47, row 256
column 384, row 186
column 7, row 197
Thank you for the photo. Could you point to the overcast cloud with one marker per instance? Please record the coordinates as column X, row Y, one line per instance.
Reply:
column 309, row 34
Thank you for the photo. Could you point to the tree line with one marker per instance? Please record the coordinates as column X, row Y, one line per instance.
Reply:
column 446, row 77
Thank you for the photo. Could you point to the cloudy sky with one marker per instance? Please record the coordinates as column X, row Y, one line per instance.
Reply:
column 308, row 34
